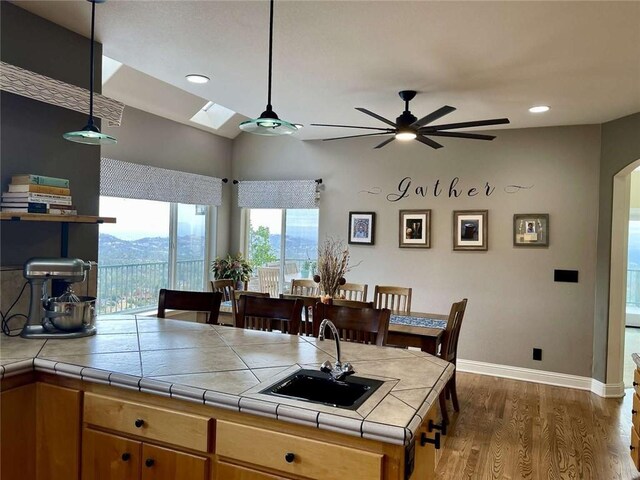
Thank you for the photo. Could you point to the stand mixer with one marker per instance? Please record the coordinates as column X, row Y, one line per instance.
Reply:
column 66, row 315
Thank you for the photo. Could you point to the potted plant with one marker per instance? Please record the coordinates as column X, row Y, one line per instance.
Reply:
column 306, row 268
column 236, row 268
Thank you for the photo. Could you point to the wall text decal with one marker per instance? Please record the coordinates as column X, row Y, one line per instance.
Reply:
column 453, row 189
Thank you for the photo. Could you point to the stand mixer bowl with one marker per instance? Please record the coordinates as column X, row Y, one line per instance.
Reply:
column 71, row 315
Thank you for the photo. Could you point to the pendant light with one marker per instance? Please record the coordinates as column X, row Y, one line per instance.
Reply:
column 91, row 134
column 268, row 123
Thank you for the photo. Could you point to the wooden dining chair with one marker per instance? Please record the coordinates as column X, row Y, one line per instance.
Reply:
column 262, row 313
column 341, row 302
column 353, row 291
column 449, row 352
column 361, row 325
column 224, row 286
column 396, row 299
column 236, row 298
column 191, row 301
column 269, row 280
column 304, row 287
column 308, row 302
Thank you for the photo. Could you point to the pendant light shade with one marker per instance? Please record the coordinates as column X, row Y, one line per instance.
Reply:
column 268, row 123
column 90, row 134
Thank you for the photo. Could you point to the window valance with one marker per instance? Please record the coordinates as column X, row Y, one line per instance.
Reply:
column 278, row 194
column 131, row 180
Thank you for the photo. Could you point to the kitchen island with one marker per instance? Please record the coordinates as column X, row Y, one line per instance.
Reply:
column 146, row 394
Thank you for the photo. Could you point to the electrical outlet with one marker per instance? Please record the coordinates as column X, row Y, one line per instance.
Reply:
column 537, row 354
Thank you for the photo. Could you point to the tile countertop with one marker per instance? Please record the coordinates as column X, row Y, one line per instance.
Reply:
column 227, row 368
column 636, row 358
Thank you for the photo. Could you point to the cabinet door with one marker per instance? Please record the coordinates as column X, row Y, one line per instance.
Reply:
column 109, row 457
column 425, row 455
column 18, row 433
column 167, row 464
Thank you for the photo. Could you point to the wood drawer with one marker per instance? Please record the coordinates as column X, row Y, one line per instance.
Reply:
column 635, row 417
column 178, row 428
column 311, row 458
column 635, row 448
column 228, row 471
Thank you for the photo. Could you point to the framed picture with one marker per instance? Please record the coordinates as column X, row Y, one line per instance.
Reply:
column 362, row 227
column 531, row 230
column 470, row 229
column 415, row 229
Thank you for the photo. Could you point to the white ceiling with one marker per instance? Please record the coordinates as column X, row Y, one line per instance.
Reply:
column 487, row 59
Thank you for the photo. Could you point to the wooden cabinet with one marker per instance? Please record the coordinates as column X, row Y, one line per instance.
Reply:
column 40, row 433
column 635, row 420
column 128, row 454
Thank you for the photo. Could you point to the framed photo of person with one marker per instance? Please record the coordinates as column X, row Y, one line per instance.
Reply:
column 470, row 229
column 362, row 228
column 531, row 230
column 415, row 229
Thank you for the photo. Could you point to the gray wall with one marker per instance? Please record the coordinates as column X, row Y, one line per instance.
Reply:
column 620, row 147
column 147, row 139
column 31, row 135
column 514, row 305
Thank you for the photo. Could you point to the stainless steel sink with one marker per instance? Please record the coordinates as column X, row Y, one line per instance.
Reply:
column 319, row 387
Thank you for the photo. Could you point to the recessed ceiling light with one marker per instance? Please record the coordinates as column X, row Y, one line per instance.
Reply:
column 539, row 109
column 196, row 78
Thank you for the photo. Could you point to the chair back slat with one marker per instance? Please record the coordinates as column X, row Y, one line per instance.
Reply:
column 363, row 325
column 308, row 302
column 449, row 350
column 353, row 291
column 269, row 280
column 340, row 302
column 191, row 301
column 264, row 313
column 304, row 287
column 396, row 299
column 224, row 286
column 236, row 298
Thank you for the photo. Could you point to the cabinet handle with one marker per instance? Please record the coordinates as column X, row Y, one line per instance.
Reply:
column 633, row 412
column 149, row 462
column 290, row 457
column 126, row 456
column 435, row 440
column 438, row 426
column 635, row 384
column 632, row 448
column 139, row 423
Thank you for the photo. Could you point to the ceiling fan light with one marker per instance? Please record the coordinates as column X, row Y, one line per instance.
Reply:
column 406, row 135
column 269, row 127
column 90, row 137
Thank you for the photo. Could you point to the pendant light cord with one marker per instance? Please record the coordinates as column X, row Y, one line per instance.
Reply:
column 270, row 54
column 93, row 22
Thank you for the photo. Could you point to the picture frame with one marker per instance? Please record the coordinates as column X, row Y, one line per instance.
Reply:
column 415, row 229
column 362, row 228
column 470, row 230
column 531, row 230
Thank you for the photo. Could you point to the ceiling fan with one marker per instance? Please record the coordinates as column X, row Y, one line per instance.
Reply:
column 409, row 127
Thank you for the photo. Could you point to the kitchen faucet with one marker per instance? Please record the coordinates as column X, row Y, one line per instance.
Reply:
column 339, row 371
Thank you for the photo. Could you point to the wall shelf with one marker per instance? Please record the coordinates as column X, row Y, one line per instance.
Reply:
column 63, row 220
column 45, row 217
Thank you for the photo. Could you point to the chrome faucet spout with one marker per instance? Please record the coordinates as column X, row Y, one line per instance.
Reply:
column 339, row 371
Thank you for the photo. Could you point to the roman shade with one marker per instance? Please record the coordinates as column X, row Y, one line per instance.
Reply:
column 144, row 182
column 278, row 194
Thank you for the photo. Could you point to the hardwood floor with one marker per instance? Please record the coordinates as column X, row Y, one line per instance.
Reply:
column 507, row 429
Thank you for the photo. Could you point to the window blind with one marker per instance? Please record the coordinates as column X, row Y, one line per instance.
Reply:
column 144, row 182
column 278, row 194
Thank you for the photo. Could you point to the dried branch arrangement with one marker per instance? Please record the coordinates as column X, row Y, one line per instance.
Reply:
column 333, row 265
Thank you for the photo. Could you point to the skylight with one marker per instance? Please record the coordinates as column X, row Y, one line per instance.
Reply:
column 213, row 115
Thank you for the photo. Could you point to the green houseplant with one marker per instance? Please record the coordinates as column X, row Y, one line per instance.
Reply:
column 236, row 268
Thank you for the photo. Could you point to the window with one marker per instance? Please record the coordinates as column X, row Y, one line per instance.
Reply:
column 282, row 244
column 152, row 245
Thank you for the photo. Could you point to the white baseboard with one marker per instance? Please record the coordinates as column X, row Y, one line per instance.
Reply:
column 541, row 376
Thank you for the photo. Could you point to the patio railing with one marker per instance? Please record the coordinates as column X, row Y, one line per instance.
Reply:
column 633, row 288
column 131, row 287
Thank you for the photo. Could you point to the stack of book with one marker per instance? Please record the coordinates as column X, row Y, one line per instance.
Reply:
column 38, row 194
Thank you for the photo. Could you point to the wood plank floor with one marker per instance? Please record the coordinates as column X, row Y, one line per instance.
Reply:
column 507, row 429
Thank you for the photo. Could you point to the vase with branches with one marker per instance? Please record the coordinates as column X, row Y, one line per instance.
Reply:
column 332, row 266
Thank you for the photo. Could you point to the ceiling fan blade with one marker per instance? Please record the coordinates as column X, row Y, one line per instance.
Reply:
column 355, row 136
column 375, row 115
column 433, row 116
column 476, row 123
column 474, row 136
column 388, row 140
column 428, row 141
column 351, row 126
